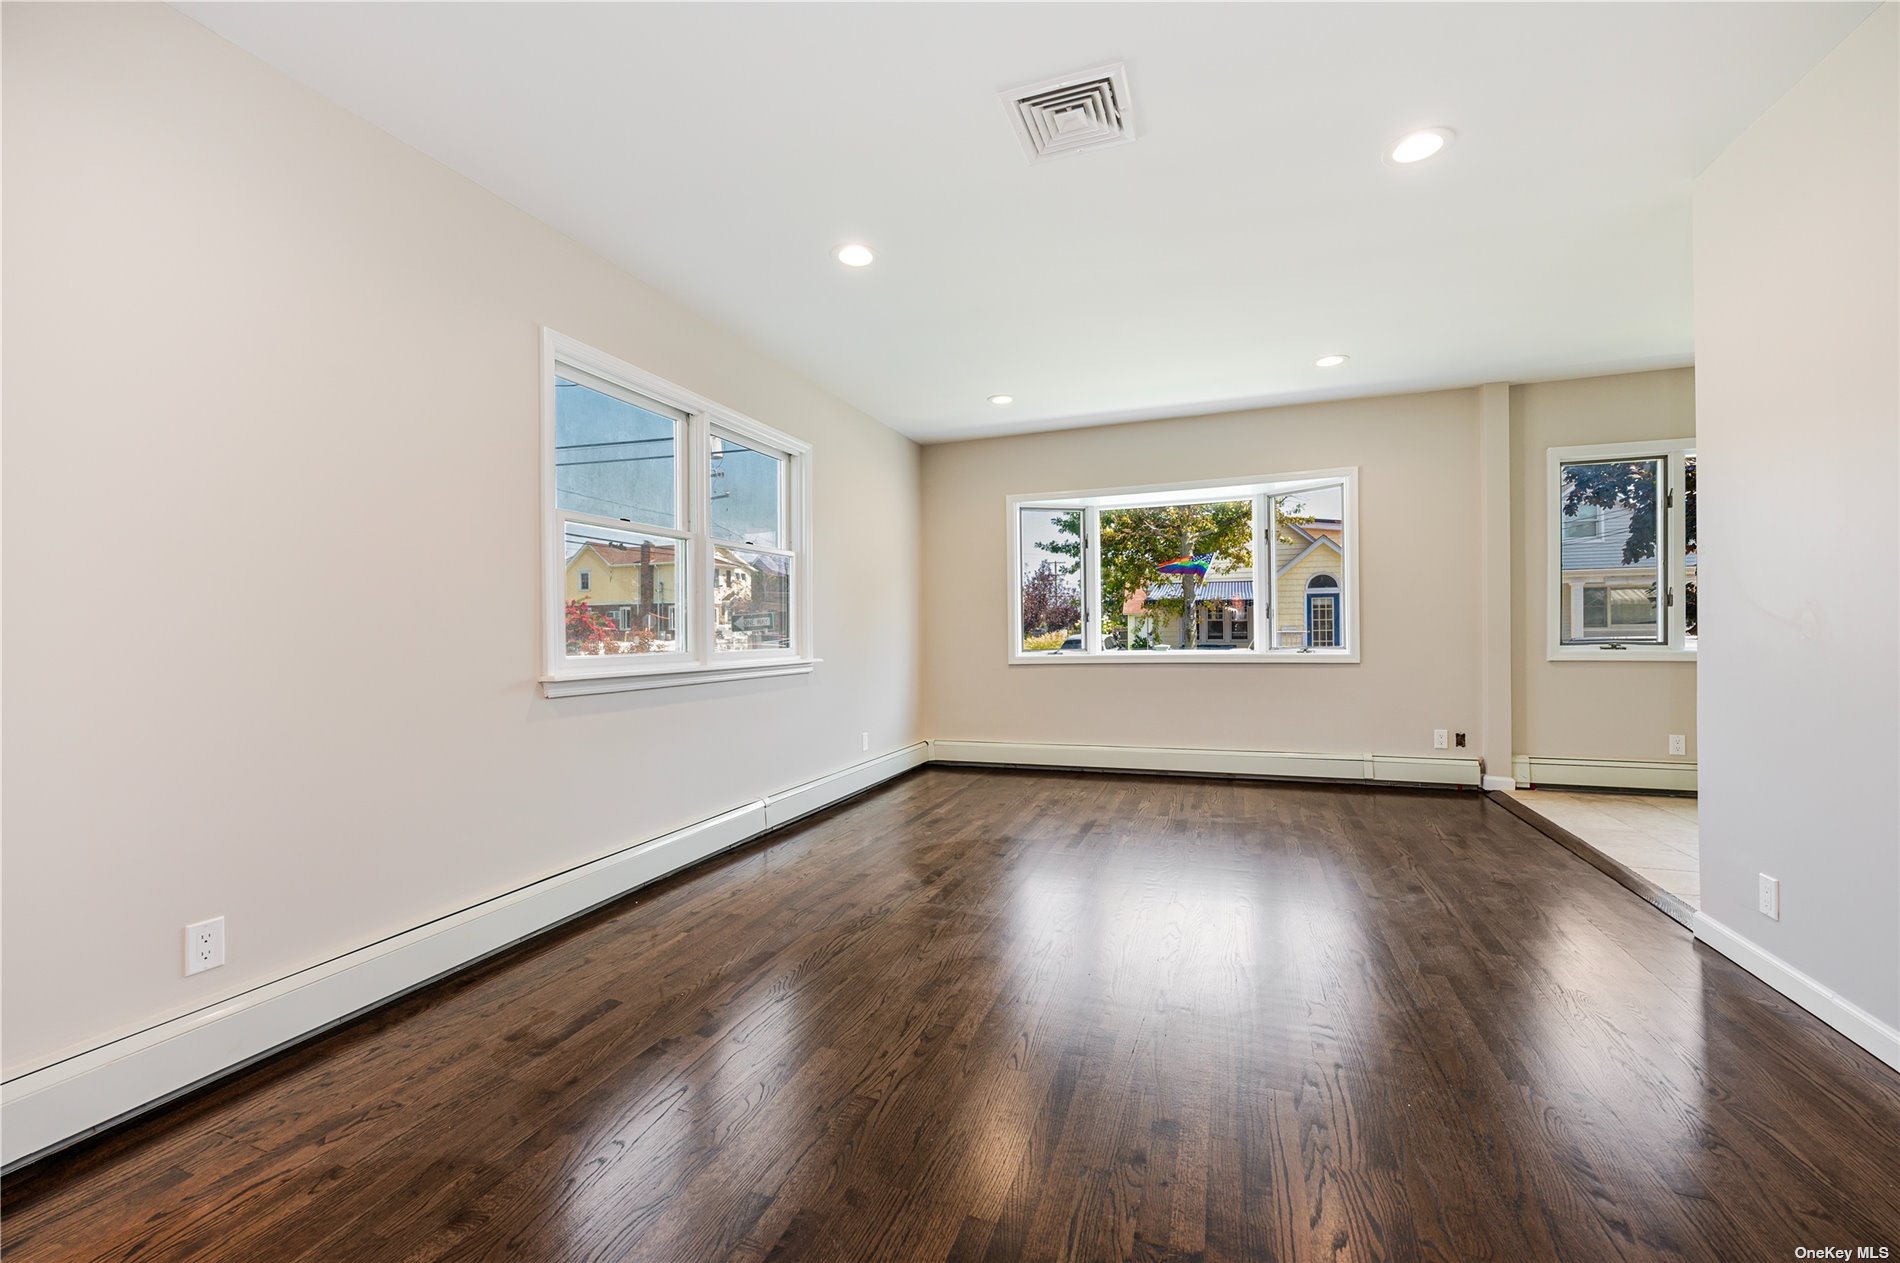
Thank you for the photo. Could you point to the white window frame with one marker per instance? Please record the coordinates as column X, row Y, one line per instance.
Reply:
column 1266, row 550
column 697, row 662
column 1673, row 453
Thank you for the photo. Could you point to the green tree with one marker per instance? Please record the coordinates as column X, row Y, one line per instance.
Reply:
column 1136, row 543
column 1068, row 542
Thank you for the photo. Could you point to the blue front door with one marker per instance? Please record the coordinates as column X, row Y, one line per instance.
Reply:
column 1322, row 619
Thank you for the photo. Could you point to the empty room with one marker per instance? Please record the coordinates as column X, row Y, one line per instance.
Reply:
column 674, row 632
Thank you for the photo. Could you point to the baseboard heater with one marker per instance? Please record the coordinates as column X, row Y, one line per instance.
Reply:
column 1533, row 770
column 1388, row 769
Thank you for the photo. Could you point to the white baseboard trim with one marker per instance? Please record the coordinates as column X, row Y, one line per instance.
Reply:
column 1878, row 1038
column 1500, row 782
column 56, row 1104
column 783, row 808
column 1410, row 769
column 1531, row 770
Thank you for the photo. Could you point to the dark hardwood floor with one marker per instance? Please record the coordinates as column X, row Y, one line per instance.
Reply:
column 1009, row 1015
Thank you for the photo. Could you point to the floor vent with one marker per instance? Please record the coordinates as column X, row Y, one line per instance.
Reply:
column 1073, row 114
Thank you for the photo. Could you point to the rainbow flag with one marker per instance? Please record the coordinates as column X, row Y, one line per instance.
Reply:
column 1196, row 566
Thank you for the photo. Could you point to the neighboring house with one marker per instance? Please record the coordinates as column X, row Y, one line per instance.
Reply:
column 1604, row 599
column 638, row 586
column 752, row 600
column 1308, row 606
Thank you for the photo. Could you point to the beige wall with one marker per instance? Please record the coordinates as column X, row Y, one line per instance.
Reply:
column 1797, row 247
column 1588, row 710
column 1418, row 523
column 245, row 329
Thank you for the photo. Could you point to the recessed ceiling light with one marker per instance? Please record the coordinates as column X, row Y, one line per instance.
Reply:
column 1420, row 145
column 1000, row 400
column 1329, row 361
column 855, row 256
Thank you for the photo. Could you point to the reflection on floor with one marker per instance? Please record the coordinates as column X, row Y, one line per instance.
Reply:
column 1654, row 835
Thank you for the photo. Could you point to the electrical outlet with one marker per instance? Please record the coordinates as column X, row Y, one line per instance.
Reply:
column 204, row 945
column 867, row 742
column 1441, row 739
column 1458, row 739
column 1678, row 744
column 1768, row 896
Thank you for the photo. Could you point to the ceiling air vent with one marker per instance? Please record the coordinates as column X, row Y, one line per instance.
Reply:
column 1058, row 117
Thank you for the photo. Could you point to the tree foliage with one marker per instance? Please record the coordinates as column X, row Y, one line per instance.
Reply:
column 1136, row 543
column 1618, row 485
column 589, row 632
column 1068, row 540
column 1051, row 601
column 1628, row 485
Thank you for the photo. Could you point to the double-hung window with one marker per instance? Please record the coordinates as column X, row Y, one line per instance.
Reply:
column 1252, row 570
column 675, row 533
column 1622, row 550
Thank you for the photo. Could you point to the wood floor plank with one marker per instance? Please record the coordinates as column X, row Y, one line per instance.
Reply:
column 1007, row 1015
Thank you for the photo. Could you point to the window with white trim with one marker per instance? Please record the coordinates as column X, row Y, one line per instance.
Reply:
column 1623, row 551
column 1255, row 570
column 675, row 532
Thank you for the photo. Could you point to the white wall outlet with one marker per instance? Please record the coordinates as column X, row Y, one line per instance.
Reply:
column 1441, row 739
column 867, row 742
column 204, row 945
column 1678, row 744
column 1768, row 896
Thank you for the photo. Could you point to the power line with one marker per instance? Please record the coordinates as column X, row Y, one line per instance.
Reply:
column 621, row 504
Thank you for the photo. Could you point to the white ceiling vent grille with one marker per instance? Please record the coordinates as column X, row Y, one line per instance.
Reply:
column 1079, row 112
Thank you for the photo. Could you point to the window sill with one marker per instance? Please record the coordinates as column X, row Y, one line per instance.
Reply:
column 1229, row 656
column 1635, row 653
column 580, row 685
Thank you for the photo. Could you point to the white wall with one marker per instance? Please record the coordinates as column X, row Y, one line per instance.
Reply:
column 1798, row 402
column 1589, row 710
column 271, row 537
column 1418, row 518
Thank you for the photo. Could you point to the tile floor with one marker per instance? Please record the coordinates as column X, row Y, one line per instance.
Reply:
column 1656, row 836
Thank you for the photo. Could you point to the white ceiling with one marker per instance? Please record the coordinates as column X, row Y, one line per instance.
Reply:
column 721, row 152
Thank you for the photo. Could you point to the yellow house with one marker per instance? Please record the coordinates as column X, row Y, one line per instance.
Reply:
column 1309, row 601
column 635, row 585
